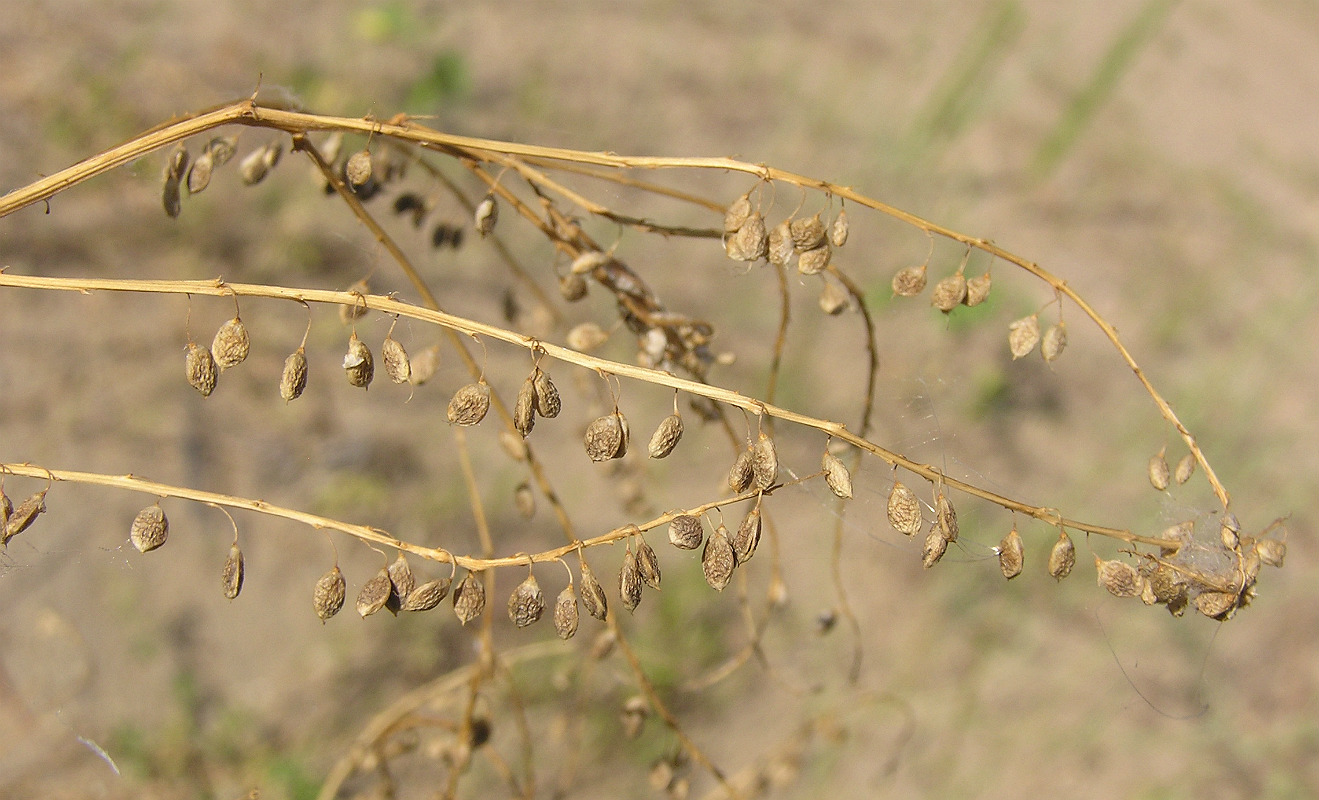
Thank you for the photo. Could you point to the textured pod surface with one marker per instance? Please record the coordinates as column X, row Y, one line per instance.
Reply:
column 946, row 517
column 374, row 594
column 1062, row 557
column 1119, row 578
column 586, row 337
column 749, row 242
column 909, row 281
column 1011, row 554
column 1216, row 605
column 199, row 366
column 1271, row 551
column 469, row 598
column 548, row 403
column 604, row 438
column 686, row 532
column 647, row 564
column 807, row 233
column 666, row 436
column 1159, row 473
column 747, row 538
column 21, row 518
column 737, row 213
column 839, row 229
column 524, row 410
column 779, row 248
column 487, row 214
column 171, row 199
column 293, row 380
column 231, row 344
column 764, row 462
column 199, row 173
column 231, row 577
column 589, row 261
column 949, row 292
column 813, row 261
column 358, row 168
column 469, row 404
column 426, row 596
column 718, row 559
column 593, row 594
column 565, row 612
column 977, row 290
column 358, row 364
column 1023, row 335
column 741, row 473
column 1054, row 341
column 1185, row 469
column 329, row 594
column 526, row 604
column 221, row 149
column 401, row 579
column 836, row 475
column 150, row 529
column 904, row 510
column 936, row 544
column 629, row 582
column 395, row 358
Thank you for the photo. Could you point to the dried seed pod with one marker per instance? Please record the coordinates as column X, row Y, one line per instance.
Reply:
column 1119, row 578
column 256, row 165
column 6, row 509
column 171, row 198
column 904, row 510
column 525, row 500
column 593, row 595
column 604, row 438
column 588, row 261
column 1166, row 584
column 221, row 149
column 422, row 368
column 524, row 410
column 1271, row 551
column 977, row 290
column 487, row 214
column 358, row 168
column 1062, row 556
column 764, row 462
column 747, row 538
column 1216, row 605
column 909, row 281
column 666, row 436
column 1023, row 335
column 1147, row 595
column 231, row 344
column 1159, row 472
column 813, row 261
column 176, row 164
column 949, row 292
column 565, row 612
column 629, row 581
column 686, row 532
column 1185, row 469
column 936, row 544
column 737, row 213
column 294, row 378
column 150, row 529
column 1230, row 538
column 836, row 475
column 572, row 287
column 357, row 363
column 750, row 242
column 647, row 564
column 351, row 312
column 199, row 365
column 718, row 559
column 526, row 604
column 199, row 173
column 741, row 473
column 22, row 517
column 1011, row 554
column 1055, row 339
column 374, row 593
column 469, row 598
column 779, row 247
column 586, row 337
column 513, row 445
column 946, row 517
column 401, row 580
column 395, row 359
column 1176, row 537
column 470, row 404
column 838, row 231
column 807, row 233
column 548, row 403
column 834, row 299
column 328, row 597
column 426, row 596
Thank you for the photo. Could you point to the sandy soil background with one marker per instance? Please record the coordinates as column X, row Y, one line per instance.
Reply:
column 1159, row 156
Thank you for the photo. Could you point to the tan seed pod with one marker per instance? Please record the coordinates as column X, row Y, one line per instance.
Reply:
column 199, row 173
column 1159, row 472
column 779, row 247
column 357, row 363
column 487, row 214
column 1119, row 578
column 737, row 213
column 836, row 475
column 1271, row 551
column 1216, row 605
column 171, row 199
column 255, row 165
column 586, row 337
column 1185, row 469
column 604, row 438
column 470, row 404
column 231, row 344
column 747, row 538
column 807, row 233
column 1062, row 557
column 909, row 281
column 231, row 577
column 401, row 579
column 351, row 312
column 374, row 593
column 1166, row 583
column 946, row 517
column 648, row 564
column 548, row 403
column 328, row 597
column 949, row 292
column 629, row 582
column 750, row 242
column 22, row 517
column 358, row 168
column 589, row 261
column 1011, row 554
column 524, row 410
column 718, row 559
column 1023, row 335
column 526, row 604
column 395, row 359
column 593, row 595
column 525, row 500
column 294, row 378
column 572, row 287
column 1230, row 538
column 839, row 229
column 666, row 436
column 764, row 462
column 469, row 598
column 904, row 510
column 150, row 529
column 1176, row 537
column 936, row 544
column 741, row 473
column 271, row 154
column 686, row 532
column 221, row 149
column 426, row 596
column 977, row 290
column 1055, row 339
column 1147, row 595
column 813, row 261
column 176, row 164
column 565, row 612
column 422, row 367
column 834, row 299
column 199, row 365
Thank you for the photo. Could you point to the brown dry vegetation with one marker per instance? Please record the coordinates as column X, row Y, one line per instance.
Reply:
column 1158, row 156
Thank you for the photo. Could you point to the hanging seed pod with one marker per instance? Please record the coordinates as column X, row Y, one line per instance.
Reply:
column 525, row 500
column 909, row 281
column 487, row 214
column 737, row 213
column 374, row 593
column 718, row 559
column 1147, row 595
column 686, row 532
column 572, row 287
column 1119, row 578
column 231, row 577
column 807, row 233
column 936, row 544
column 200, row 369
column 470, row 404
column 1166, row 584
column 1159, row 472
column 6, row 508
column 199, row 173
column 524, row 410
column 294, row 378
column 838, row 231
column 1011, row 554
column 22, row 517
column 548, row 403
column 647, row 564
column 747, row 538
column 1023, row 335
column 949, row 292
column 1176, row 537
column 586, row 337
column 526, row 604
column 1216, row 605
column 255, row 166
column 836, row 476
column 1055, row 339
column 171, row 198
column 604, row 438
column 426, row 596
column 513, row 445
column 565, row 612
column 401, row 579
column 946, row 517
column 221, row 149
column 1185, row 469
column 629, row 582
column 422, row 368
column 813, row 261
column 593, row 595
column 395, row 359
column 358, row 168
column 357, row 363
column 904, row 510
column 469, row 598
column 750, row 242
column 666, row 436
column 150, row 529
column 1062, row 556
column 1230, row 538
column 779, row 247
column 231, row 344
column 834, row 299
column 329, row 595
column 764, row 462
column 1271, row 551
column 977, row 290
column 176, row 164
column 741, row 473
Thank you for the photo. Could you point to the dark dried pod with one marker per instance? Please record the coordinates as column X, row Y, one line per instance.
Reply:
column 374, row 593
column 6, row 508
column 718, row 559
column 524, row 410
column 946, row 517
column 949, row 292
column 936, row 544
column 171, row 199
column 526, row 604
column 909, row 281
column 548, row 403
column 565, row 612
column 231, row 577
column 686, row 532
column 904, row 510
column 357, row 170
column 666, row 436
column 593, row 595
column 1055, row 339
column 764, row 462
column 779, row 248
column 487, row 214
column 807, row 233
column 199, row 366
column 839, row 229
column 328, row 597
column 21, row 518
column 1166, row 583
column 1023, row 335
column 231, row 344
column 469, row 598
column 150, row 529
column 1185, row 469
column 221, row 149
column 977, row 290
column 1011, row 554
column 629, row 581
column 357, row 363
column 572, row 287
column 401, row 579
column 199, row 173
column 741, row 473
column 813, row 261
column 1216, row 605
column 470, row 404
column 176, row 164
column 257, row 164
column 647, row 564
column 1119, row 578
column 747, row 538
column 1159, row 472
column 1062, row 556
column 395, row 359
column 422, row 367
column 836, row 475
column 604, row 438
column 737, row 213
column 426, row 596
column 294, row 378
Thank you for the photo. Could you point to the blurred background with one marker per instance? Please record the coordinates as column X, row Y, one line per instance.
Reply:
column 1159, row 156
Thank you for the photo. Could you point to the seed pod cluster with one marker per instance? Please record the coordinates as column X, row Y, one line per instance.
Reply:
column 904, row 510
column 231, row 344
column 834, row 299
column 813, row 261
column 329, row 594
column 401, row 581
column 422, row 367
column 839, row 229
column 357, row 169
column 150, row 529
column 470, row 404
column 526, row 604
column 176, row 167
column 666, row 436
